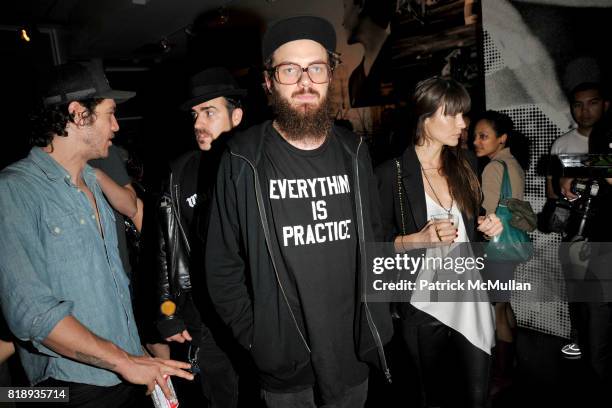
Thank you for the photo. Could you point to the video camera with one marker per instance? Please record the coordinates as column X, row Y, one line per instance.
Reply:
column 587, row 171
column 580, row 187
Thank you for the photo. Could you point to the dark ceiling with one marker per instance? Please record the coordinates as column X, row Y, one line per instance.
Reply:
column 111, row 28
column 127, row 35
column 127, row 29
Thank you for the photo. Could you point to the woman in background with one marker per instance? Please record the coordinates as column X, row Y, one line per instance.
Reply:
column 449, row 342
column 492, row 135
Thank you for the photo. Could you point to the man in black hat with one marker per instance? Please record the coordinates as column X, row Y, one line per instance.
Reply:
column 186, row 313
column 295, row 202
column 63, row 288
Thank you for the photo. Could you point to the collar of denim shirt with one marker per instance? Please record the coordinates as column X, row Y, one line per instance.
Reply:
column 55, row 171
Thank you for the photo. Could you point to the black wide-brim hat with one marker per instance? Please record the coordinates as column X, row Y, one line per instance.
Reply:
column 210, row 84
column 77, row 81
column 298, row 28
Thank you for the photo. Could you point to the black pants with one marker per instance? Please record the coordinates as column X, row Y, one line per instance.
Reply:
column 594, row 322
column 452, row 371
column 574, row 257
column 355, row 397
column 121, row 395
column 594, row 318
column 218, row 379
column 591, row 316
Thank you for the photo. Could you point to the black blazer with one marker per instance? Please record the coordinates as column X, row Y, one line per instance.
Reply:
column 413, row 197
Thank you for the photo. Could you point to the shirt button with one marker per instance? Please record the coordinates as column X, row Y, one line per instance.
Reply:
column 82, row 221
column 57, row 230
column 93, row 216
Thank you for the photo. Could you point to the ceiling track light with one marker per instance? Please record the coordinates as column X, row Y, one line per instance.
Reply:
column 23, row 34
column 223, row 15
column 165, row 45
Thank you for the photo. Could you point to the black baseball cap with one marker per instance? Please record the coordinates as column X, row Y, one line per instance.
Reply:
column 298, row 28
column 77, row 81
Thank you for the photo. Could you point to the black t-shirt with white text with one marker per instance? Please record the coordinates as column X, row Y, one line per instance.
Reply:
column 196, row 182
column 312, row 220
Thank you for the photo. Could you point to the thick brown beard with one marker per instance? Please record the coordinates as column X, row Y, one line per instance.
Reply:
column 313, row 123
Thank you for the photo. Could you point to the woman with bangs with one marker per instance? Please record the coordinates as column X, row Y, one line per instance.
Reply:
column 430, row 198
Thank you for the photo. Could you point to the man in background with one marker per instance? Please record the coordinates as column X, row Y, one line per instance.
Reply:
column 591, row 320
column 367, row 22
column 588, row 106
column 182, row 221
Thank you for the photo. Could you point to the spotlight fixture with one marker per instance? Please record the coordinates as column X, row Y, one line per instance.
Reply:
column 223, row 15
column 189, row 30
column 24, row 35
column 165, row 45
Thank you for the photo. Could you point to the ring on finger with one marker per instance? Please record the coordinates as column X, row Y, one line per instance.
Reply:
column 438, row 235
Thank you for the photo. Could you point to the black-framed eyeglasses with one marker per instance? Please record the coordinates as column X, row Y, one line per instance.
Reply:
column 289, row 74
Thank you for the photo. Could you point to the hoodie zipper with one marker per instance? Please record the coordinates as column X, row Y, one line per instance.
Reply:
column 264, row 224
column 371, row 324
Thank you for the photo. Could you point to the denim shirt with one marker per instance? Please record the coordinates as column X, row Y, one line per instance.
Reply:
column 54, row 262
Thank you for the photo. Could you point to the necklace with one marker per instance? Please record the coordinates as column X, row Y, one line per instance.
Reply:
column 436, row 195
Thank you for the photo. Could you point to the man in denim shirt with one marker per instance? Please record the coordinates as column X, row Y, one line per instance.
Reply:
column 64, row 292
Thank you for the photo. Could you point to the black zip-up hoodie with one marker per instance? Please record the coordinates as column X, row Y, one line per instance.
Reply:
column 246, row 285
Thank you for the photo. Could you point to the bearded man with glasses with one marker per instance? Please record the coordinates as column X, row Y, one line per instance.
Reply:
column 295, row 203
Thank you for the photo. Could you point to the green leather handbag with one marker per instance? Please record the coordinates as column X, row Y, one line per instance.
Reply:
column 513, row 244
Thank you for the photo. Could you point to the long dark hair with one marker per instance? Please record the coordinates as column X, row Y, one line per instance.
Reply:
column 430, row 95
column 516, row 141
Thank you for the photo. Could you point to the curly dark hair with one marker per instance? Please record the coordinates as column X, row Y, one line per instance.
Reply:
column 50, row 121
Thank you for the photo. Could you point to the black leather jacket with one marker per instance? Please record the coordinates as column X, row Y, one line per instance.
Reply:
column 173, row 250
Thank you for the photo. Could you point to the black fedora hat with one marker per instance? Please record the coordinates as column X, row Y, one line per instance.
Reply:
column 75, row 81
column 210, row 84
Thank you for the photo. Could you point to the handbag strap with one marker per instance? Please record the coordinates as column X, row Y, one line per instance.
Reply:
column 506, row 188
column 400, row 187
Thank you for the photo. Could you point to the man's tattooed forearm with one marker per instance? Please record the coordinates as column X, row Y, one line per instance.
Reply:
column 94, row 361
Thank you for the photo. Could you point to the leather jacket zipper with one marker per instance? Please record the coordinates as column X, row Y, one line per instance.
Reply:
column 174, row 202
column 166, row 202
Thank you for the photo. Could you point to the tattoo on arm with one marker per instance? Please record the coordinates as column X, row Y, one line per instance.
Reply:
column 94, row 361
